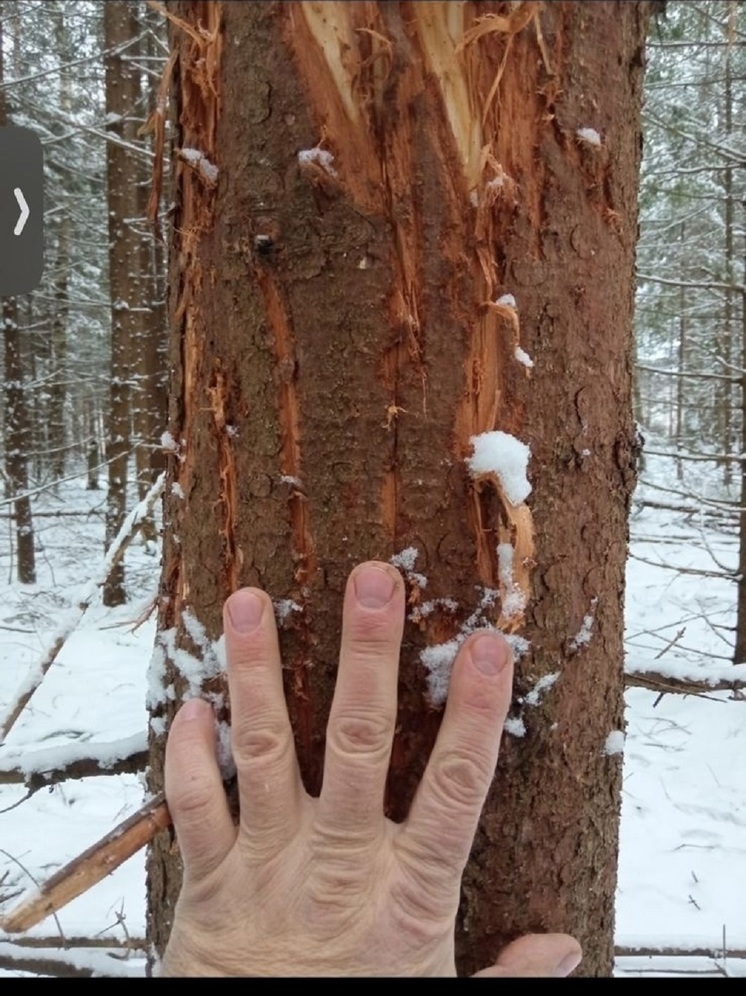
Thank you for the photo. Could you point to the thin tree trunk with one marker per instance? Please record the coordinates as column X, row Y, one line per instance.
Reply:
column 727, row 333
column 150, row 405
column 124, row 284
column 679, row 387
column 360, row 188
column 17, row 418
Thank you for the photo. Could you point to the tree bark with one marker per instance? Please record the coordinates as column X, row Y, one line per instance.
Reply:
column 120, row 25
column 150, row 399
column 358, row 188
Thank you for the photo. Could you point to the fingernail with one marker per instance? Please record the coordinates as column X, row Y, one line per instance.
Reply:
column 374, row 587
column 568, row 964
column 244, row 610
column 193, row 709
column 489, row 653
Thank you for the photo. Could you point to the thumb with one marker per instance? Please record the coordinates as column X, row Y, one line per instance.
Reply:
column 537, row 955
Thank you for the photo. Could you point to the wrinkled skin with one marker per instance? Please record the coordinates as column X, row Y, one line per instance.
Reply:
column 328, row 885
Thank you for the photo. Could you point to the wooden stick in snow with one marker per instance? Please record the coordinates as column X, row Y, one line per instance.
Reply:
column 90, row 867
column 115, row 552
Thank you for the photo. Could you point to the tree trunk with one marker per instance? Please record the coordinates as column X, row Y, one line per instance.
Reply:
column 358, row 188
column 120, row 26
column 150, row 400
column 17, row 420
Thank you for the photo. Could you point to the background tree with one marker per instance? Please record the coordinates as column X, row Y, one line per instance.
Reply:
column 691, row 313
column 399, row 227
column 17, row 423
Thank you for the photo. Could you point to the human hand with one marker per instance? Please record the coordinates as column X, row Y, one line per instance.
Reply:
column 328, row 885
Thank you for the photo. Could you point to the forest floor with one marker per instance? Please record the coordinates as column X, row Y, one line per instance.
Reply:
column 681, row 903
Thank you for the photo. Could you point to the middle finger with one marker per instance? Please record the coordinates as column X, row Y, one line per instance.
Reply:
column 363, row 712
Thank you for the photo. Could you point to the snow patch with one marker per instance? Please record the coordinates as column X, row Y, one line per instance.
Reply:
column 513, row 599
column 318, row 157
column 176, row 489
column 224, row 750
column 200, row 161
column 155, row 694
column 158, row 725
column 502, row 454
column 542, row 685
column 283, row 608
column 584, row 634
column 589, row 135
column 518, row 644
column 427, row 608
column 515, row 726
column 405, row 561
column 508, row 300
column 438, row 660
column 522, row 356
column 614, row 743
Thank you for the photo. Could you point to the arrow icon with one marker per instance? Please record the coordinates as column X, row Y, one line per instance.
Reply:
column 23, row 218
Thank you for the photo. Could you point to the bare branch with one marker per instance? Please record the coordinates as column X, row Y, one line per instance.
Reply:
column 683, row 686
column 694, row 284
column 728, row 576
column 90, row 867
column 692, row 376
column 46, row 767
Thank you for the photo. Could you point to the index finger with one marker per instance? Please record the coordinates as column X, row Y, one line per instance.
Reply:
column 444, row 814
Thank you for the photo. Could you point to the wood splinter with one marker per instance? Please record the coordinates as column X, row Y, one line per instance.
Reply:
column 91, row 866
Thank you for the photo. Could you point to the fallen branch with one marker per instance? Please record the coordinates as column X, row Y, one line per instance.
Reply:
column 45, row 966
column 728, row 576
column 58, row 764
column 685, row 509
column 113, row 555
column 128, row 943
column 683, row 686
column 90, row 867
column 713, row 952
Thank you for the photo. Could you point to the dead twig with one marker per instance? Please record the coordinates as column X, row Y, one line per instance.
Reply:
column 675, row 639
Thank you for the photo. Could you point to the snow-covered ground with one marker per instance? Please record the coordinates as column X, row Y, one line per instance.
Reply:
column 682, row 875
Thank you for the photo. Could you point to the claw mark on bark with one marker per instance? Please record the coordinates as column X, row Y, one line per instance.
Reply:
column 199, row 110
column 232, row 556
column 304, row 552
column 347, row 57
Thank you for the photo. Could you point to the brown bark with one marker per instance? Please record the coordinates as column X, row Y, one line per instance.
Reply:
column 61, row 305
column 336, row 343
column 120, row 25
column 150, row 398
